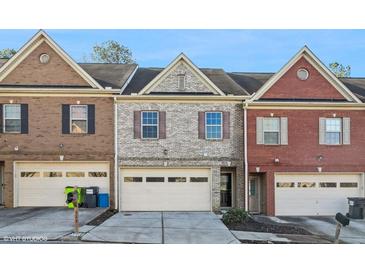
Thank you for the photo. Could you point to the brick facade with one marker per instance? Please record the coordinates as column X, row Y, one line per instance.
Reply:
column 184, row 148
column 44, row 137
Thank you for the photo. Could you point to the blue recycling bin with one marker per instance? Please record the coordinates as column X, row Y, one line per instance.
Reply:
column 103, row 200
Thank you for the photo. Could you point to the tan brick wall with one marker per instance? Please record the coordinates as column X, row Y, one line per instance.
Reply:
column 42, row 142
column 31, row 72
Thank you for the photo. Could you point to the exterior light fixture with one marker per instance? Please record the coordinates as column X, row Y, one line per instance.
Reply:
column 62, row 157
column 276, row 160
column 11, row 101
column 257, row 169
column 319, row 169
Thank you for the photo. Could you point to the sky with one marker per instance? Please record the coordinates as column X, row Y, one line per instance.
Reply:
column 232, row 50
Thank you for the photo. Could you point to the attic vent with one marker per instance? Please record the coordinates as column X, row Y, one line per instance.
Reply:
column 302, row 74
column 181, row 82
column 44, row 58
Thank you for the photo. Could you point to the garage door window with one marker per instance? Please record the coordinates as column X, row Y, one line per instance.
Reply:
column 285, row 185
column 198, row 179
column 328, row 185
column 133, row 179
column 52, row 174
column 30, row 174
column 177, row 179
column 348, row 185
column 306, row 185
column 98, row 174
column 75, row 174
column 155, row 179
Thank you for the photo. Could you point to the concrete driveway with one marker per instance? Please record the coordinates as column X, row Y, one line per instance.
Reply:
column 41, row 223
column 354, row 233
column 162, row 228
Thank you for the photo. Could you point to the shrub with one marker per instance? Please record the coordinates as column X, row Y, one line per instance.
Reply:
column 234, row 216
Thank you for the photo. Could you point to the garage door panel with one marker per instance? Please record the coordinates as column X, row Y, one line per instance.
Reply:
column 166, row 196
column 314, row 200
column 49, row 191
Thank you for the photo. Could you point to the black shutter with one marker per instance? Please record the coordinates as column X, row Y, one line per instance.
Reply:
column 91, row 119
column 65, row 119
column 1, row 118
column 24, row 119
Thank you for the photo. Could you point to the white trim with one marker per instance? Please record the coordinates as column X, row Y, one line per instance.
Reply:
column 157, row 125
column 29, row 47
column 321, row 68
column 4, row 118
column 245, row 154
column 116, row 154
column 87, row 119
column 163, row 74
column 206, row 125
column 278, row 131
column 128, row 80
column 339, row 132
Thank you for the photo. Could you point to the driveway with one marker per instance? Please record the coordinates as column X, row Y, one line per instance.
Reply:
column 354, row 233
column 41, row 223
column 162, row 228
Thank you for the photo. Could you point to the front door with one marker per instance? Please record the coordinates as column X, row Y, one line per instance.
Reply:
column 1, row 185
column 226, row 190
column 254, row 194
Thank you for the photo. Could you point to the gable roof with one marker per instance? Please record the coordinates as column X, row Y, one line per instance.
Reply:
column 40, row 37
column 164, row 73
column 322, row 69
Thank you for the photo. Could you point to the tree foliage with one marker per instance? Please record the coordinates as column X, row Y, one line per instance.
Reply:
column 340, row 70
column 7, row 53
column 112, row 52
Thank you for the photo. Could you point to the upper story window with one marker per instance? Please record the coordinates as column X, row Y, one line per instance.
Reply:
column 149, row 124
column 78, row 118
column 213, row 125
column 12, row 118
column 181, row 81
column 333, row 131
column 271, row 131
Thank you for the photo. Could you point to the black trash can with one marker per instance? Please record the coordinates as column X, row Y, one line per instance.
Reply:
column 356, row 207
column 91, row 196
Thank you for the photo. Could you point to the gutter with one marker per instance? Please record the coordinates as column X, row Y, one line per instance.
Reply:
column 116, row 169
column 245, row 106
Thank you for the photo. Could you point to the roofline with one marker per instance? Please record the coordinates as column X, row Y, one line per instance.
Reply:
column 181, row 97
column 302, row 105
column 128, row 80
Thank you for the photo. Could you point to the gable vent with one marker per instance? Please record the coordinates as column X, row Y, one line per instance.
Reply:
column 181, row 79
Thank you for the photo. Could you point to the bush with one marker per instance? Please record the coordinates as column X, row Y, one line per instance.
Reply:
column 234, row 216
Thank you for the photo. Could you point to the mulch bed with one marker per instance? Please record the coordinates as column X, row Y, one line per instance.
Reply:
column 102, row 217
column 251, row 225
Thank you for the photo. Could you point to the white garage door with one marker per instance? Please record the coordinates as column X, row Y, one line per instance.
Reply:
column 165, row 189
column 43, row 184
column 315, row 194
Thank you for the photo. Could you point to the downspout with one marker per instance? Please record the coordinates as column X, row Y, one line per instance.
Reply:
column 116, row 169
column 245, row 152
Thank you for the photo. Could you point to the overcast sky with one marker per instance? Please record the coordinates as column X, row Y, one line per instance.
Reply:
column 232, row 50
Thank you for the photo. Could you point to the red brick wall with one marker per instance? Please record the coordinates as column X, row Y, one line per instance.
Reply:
column 301, row 153
column 31, row 72
column 315, row 87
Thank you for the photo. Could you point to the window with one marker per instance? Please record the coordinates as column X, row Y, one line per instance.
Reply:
column 348, row 185
column 198, row 179
column 306, row 185
column 302, row 74
column 78, row 118
column 332, row 185
column 213, row 125
column 133, row 179
column 52, row 174
column 271, row 129
column 333, row 131
column 177, row 179
column 285, row 185
column 155, row 179
column 75, row 174
column 181, row 82
column 12, row 118
column 149, row 124
column 98, row 174
column 30, row 174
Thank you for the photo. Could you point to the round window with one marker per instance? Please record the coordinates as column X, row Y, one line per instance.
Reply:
column 44, row 58
column 302, row 74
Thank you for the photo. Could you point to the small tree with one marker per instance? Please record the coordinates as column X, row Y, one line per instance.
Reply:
column 340, row 70
column 7, row 53
column 112, row 52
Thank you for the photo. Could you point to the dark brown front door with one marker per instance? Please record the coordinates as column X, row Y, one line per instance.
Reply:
column 226, row 190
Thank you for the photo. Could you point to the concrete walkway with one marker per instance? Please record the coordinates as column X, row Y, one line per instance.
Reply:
column 39, row 224
column 162, row 228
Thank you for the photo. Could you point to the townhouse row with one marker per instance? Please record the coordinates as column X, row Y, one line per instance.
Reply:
column 180, row 138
